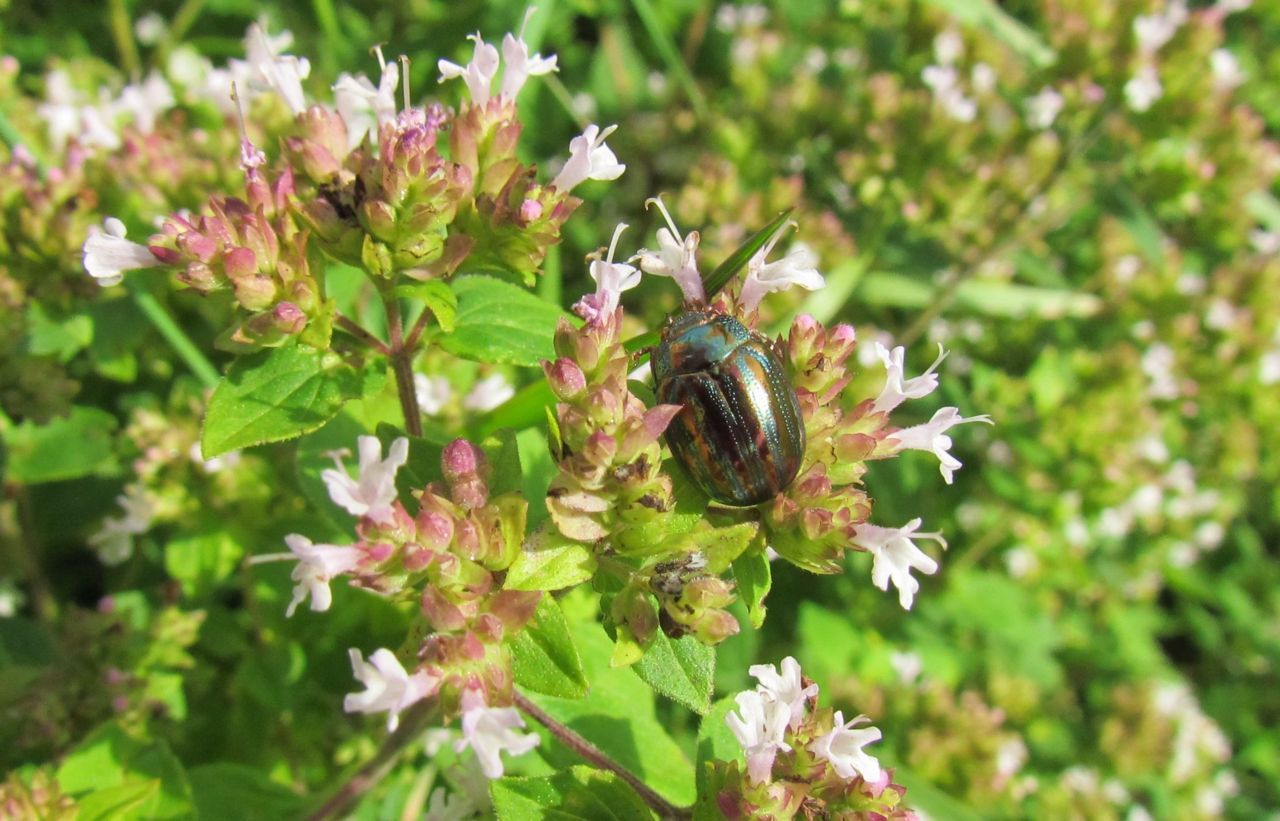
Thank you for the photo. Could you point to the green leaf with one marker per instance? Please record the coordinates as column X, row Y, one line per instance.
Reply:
column 549, row 561
column 579, row 792
column 226, row 790
column 716, row 741
column 754, row 577
column 503, row 453
column 979, row 296
column 500, row 322
column 986, row 16
column 545, row 657
column 128, row 800
column 200, row 561
column 721, row 545
column 281, row 394
column 924, row 796
column 79, row 444
column 725, row 271
column 61, row 337
column 681, row 669
column 110, row 758
column 438, row 298
column 618, row 717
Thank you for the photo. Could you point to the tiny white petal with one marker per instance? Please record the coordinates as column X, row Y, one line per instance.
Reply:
column 842, row 748
column 490, row 731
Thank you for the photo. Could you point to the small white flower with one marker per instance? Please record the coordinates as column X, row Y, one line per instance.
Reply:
column 1154, row 30
column 796, row 268
column 1265, row 242
column 948, row 47
column 519, row 66
column 1157, row 364
column 144, row 102
column 589, row 159
column 1144, row 88
column 387, row 686
column 1010, row 757
column 1209, row 535
column 364, row 108
column 896, row 390
column 931, row 436
column 842, row 748
column 317, row 565
column 433, row 393
column 490, row 731
column 1220, row 315
column 1044, row 108
column 477, row 74
column 943, row 81
column 612, row 278
column 488, row 394
column 907, row 665
column 11, row 598
column 1269, row 367
column 786, row 688
column 676, row 257
column 114, row 540
column 983, row 78
column 1020, row 562
column 150, row 28
column 373, row 492
column 267, row 72
column 215, row 465
column 895, row 555
column 759, row 725
column 108, row 255
column 1227, row 74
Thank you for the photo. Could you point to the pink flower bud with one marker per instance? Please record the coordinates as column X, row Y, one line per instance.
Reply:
column 440, row 612
column 254, row 291
column 289, row 318
column 840, row 343
column 378, row 553
column 461, row 458
column 435, row 529
column 530, row 210
column 417, row 559
column 566, row 378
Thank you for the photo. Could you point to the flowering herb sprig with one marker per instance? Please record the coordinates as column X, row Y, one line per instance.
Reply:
column 800, row 760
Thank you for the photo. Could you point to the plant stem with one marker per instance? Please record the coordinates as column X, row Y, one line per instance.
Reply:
column 412, row 723
column 361, row 333
column 402, row 366
column 122, row 33
column 597, row 757
column 420, row 325
column 182, row 345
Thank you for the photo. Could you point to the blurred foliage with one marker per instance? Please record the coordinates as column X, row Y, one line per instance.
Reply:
column 1104, row 634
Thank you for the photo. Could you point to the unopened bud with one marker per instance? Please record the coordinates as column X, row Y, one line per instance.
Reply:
column 566, row 378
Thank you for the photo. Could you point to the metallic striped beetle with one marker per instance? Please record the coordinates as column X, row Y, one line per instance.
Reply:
column 740, row 435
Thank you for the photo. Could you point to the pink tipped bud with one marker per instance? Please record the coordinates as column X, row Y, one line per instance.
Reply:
column 254, row 291
column 435, row 530
column 378, row 553
column 530, row 210
column 840, row 343
column 289, row 318
column 566, row 378
column 240, row 262
column 461, row 458
column 514, row 608
column 440, row 612
column 417, row 559
column 600, row 448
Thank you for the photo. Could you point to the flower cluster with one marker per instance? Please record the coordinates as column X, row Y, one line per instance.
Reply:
column 449, row 556
column 407, row 193
column 801, row 760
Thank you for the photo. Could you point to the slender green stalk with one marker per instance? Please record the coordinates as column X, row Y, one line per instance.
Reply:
column 122, row 33
column 671, row 56
column 182, row 345
column 183, row 20
column 402, row 367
